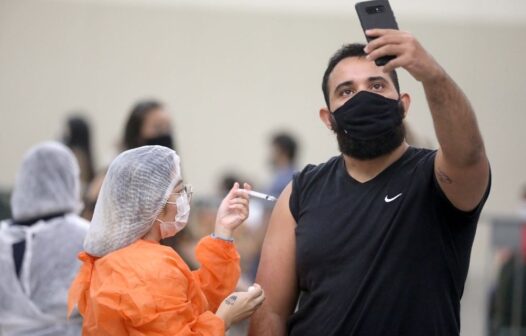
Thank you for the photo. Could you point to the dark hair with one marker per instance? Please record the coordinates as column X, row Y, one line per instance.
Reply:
column 286, row 143
column 132, row 131
column 78, row 138
column 348, row 50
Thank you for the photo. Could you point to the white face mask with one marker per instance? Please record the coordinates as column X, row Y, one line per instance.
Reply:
column 170, row 229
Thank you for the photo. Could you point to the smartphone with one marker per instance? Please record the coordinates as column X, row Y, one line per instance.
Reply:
column 376, row 14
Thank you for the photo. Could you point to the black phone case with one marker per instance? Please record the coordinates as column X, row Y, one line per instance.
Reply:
column 376, row 14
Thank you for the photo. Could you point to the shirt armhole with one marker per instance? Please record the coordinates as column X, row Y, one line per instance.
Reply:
column 294, row 197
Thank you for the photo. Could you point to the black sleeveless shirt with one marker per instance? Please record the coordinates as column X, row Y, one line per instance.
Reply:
column 386, row 257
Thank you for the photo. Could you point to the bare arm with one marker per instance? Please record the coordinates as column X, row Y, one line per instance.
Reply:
column 277, row 272
column 461, row 165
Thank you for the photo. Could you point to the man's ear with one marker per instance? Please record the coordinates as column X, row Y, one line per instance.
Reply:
column 325, row 116
column 405, row 98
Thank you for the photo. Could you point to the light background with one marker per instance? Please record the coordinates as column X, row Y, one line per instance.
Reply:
column 233, row 72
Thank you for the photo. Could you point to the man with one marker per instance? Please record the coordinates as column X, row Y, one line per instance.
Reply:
column 283, row 160
column 377, row 241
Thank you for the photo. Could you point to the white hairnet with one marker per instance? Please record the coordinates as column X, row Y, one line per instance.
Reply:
column 135, row 189
column 47, row 183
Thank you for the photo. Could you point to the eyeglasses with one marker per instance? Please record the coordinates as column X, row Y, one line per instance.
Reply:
column 186, row 190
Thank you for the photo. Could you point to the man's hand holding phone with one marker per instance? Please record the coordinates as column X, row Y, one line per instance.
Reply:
column 407, row 51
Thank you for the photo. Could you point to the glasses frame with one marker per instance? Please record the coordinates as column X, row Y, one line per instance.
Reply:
column 187, row 190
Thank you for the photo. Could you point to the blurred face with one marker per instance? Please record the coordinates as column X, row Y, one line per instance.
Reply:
column 156, row 123
column 277, row 157
column 354, row 74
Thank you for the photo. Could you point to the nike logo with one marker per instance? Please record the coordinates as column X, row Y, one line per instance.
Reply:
column 389, row 200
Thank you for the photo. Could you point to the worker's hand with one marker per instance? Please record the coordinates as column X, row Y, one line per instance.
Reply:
column 409, row 54
column 233, row 211
column 240, row 305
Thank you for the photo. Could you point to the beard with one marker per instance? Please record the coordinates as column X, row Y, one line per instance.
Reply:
column 369, row 149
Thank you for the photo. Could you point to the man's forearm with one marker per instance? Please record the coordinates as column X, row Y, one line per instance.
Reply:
column 455, row 121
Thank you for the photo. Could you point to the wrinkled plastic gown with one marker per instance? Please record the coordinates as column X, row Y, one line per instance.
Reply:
column 35, row 304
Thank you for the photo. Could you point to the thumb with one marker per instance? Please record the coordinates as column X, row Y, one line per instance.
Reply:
column 254, row 291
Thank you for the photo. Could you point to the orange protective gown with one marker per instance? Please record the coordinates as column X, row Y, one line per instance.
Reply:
column 147, row 289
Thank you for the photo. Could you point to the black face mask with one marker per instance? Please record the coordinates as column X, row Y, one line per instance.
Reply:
column 368, row 125
column 164, row 140
column 368, row 116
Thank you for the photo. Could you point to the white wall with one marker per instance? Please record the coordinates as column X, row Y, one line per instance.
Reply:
column 231, row 78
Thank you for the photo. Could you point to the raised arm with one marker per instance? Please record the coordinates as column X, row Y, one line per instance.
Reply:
column 461, row 165
column 220, row 270
column 277, row 272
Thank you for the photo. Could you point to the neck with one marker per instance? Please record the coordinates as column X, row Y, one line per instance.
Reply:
column 154, row 234
column 282, row 164
column 365, row 170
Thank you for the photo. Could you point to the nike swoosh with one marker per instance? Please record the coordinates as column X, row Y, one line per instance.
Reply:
column 389, row 200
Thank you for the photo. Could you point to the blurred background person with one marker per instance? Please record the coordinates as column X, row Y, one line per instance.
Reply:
column 507, row 297
column 77, row 136
column 5, row 209
column 148, row 123
column 39, row 245
column 283, row 161
column 521, row 208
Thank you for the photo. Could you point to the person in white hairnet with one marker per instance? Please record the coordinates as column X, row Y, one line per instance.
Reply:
column 130, row 284
column 39, row 245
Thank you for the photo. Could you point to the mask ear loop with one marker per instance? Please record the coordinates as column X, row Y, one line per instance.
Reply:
column 334, row 124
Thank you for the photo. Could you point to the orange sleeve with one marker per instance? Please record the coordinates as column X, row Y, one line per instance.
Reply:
column 127, row 305
column 77, row 295
column 220, row 270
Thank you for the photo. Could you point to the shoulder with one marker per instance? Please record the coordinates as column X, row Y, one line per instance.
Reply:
column 306, row 182
column 417, row 163
column 4, row 225
column 313, row 172
column 419, row 156
column 77, row 222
